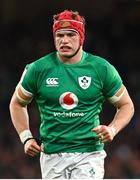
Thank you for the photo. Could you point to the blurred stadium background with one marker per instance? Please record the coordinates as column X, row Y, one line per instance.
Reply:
column 112, row 31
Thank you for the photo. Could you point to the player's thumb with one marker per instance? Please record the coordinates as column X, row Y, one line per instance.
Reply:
column 42, row 147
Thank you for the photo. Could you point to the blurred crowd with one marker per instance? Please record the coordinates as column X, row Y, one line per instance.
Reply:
column 114, row 37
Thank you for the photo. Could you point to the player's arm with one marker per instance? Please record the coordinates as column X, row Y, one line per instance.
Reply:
column 124, row 112
column 20, row 120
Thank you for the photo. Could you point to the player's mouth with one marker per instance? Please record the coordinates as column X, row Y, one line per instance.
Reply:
column 65, row 48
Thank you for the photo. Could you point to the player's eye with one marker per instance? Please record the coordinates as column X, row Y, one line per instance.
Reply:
column 71, row 34
column 59, row 35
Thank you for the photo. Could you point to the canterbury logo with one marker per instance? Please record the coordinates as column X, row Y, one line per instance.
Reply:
column 52, row 82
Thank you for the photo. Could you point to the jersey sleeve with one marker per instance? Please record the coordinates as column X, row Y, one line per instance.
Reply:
column 112, row 81
column 28, row 81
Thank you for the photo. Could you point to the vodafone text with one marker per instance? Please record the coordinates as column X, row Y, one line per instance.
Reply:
column 68, row 114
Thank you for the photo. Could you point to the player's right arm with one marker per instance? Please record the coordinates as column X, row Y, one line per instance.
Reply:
column 20, row 120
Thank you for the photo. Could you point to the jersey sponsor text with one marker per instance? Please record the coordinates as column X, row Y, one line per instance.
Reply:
column 68, row 114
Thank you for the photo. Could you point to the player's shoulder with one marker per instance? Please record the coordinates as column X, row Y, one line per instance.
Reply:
column 44, row 61
column 97, row 60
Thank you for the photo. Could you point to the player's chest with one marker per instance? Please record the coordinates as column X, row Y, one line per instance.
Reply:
column 81, row 82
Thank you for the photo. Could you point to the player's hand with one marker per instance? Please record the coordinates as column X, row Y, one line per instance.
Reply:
column 105, row 133
column 31, row 148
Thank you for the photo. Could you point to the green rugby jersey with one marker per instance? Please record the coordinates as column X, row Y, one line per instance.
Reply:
column 70, row 98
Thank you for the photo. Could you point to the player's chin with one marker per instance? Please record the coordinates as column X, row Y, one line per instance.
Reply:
column 66, row 54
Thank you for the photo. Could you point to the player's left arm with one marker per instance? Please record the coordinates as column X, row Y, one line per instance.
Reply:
column 124, row 112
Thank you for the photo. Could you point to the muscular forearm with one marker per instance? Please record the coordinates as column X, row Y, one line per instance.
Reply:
column 125, row 111
column 20, row 120
column 19, row 116
column 122, row 117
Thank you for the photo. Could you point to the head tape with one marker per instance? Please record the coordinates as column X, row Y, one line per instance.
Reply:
column 71, row 21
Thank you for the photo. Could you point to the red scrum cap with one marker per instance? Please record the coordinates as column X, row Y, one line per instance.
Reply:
column 72, row 21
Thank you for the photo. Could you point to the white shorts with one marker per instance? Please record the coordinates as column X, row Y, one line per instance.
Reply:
column 73, row 165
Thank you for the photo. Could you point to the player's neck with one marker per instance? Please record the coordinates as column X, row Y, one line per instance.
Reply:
column 73, row 60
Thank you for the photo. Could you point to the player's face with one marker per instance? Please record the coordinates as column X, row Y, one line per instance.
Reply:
column 67, row 42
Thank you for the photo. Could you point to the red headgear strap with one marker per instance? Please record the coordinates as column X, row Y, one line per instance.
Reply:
column 66, row 21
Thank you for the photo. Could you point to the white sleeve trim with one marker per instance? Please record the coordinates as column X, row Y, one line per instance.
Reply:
column 115, row 98
column 25, row 92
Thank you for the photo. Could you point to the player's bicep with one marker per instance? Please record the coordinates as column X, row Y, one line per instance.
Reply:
column 121, row 98
column 23, row 96
column 118, row 96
